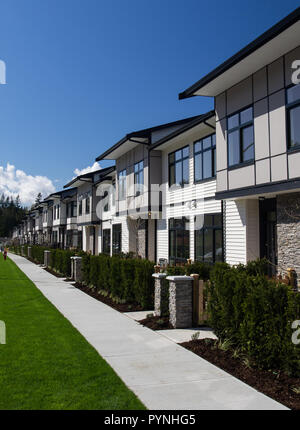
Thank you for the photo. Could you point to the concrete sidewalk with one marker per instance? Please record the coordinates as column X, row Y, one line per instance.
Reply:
column 161, row 373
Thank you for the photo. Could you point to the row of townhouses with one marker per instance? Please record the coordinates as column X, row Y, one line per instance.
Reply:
column 220, row 186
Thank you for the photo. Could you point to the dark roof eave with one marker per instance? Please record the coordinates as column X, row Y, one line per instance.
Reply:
column 268, row 35
column 199, row 120
column 143, row 133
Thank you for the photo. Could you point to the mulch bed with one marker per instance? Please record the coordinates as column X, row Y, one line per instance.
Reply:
column 276, row 385
column 156, row 323
column 121, row 307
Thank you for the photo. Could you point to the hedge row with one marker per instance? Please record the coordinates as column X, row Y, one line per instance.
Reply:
column 59, row 258
column 255, row 314
column 123, row 278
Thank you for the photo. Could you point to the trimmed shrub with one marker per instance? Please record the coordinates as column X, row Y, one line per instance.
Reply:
column 123, row 278
column 256, row 314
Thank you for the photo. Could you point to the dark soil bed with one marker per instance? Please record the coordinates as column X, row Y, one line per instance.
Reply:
column 156, row 323
column 121, row 307
column 276, row 385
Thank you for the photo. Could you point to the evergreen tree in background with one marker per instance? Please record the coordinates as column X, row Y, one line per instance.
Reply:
column 11, row 214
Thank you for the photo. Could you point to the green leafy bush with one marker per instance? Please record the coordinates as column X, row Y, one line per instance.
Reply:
column 124, row 278
column 256, row 314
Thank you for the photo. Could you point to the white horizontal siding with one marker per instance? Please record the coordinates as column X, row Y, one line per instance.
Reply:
column 235, row 231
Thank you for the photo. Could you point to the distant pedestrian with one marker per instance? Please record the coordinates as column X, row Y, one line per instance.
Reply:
column 5, row 253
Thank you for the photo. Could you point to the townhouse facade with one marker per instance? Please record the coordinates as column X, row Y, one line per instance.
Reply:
column 220, row 186
column 258, row 141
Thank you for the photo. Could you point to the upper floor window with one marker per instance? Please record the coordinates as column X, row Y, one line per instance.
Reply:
column 240, row 137
column 179, row 167
column 71, row 209
column 138, row 176
column 122, row 184
column 106, row 197
column 87, row 205
column 205, row 158
column 293, row 116
column 80, row 208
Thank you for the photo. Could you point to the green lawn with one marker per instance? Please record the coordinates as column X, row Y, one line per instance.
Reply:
column 46, row 363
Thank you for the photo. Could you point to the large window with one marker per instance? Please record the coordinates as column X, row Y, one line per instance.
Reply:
column 205, row 158
column 122, row 184
column 138, row 177
column 87, row 205
column 208, row 238
column 240, row 137
column 293, row 116
column 117, row 238
column 179, row 240
column 71, row 209
column 80, row 208
column 106, row 241
column 179, row 167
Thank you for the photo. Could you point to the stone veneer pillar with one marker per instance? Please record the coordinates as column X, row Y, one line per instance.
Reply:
column 76, row 272
column 29, row 251
column 22, row 250
column 47, row 258
column 161, row 304
column 181, row 301
column 288, row 233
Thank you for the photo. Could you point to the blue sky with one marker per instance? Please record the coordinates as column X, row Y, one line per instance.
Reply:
column 82, row 73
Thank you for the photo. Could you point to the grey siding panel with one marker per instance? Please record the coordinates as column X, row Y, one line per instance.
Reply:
column 276, row 76
column 277, row 123
column 239, row 96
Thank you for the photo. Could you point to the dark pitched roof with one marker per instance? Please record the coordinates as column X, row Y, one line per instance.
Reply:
column 274, row 31
column 186, row 127
column 145, row 133
column 90, row 175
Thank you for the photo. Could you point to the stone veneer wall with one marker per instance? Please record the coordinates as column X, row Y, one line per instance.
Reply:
column 288, row 232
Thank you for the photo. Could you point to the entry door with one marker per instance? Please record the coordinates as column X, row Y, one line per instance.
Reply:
column 268, row 233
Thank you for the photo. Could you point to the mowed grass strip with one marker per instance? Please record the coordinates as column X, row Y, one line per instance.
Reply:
column 46, row 363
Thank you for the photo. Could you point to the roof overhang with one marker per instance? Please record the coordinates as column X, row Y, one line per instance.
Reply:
column 124, row 145
column 88, row 177
column 204, row 125
column 275, row 42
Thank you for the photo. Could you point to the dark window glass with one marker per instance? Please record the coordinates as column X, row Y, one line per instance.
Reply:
column 207, row 164
column 293, row 116
column 106, row 206
column 198, row 167
column 117, row 238
column 179, row 167
column 246, row 115
column 234, row 147
column 205, row 158
column 106, row 241
column 248, row 143
column 240, row 137
column 209, row 238
column 139, row 177
column 87, row 205
column 293, row 94
column 179, row 240
column 122, row 184
column 80, row 208
column 233, row 121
